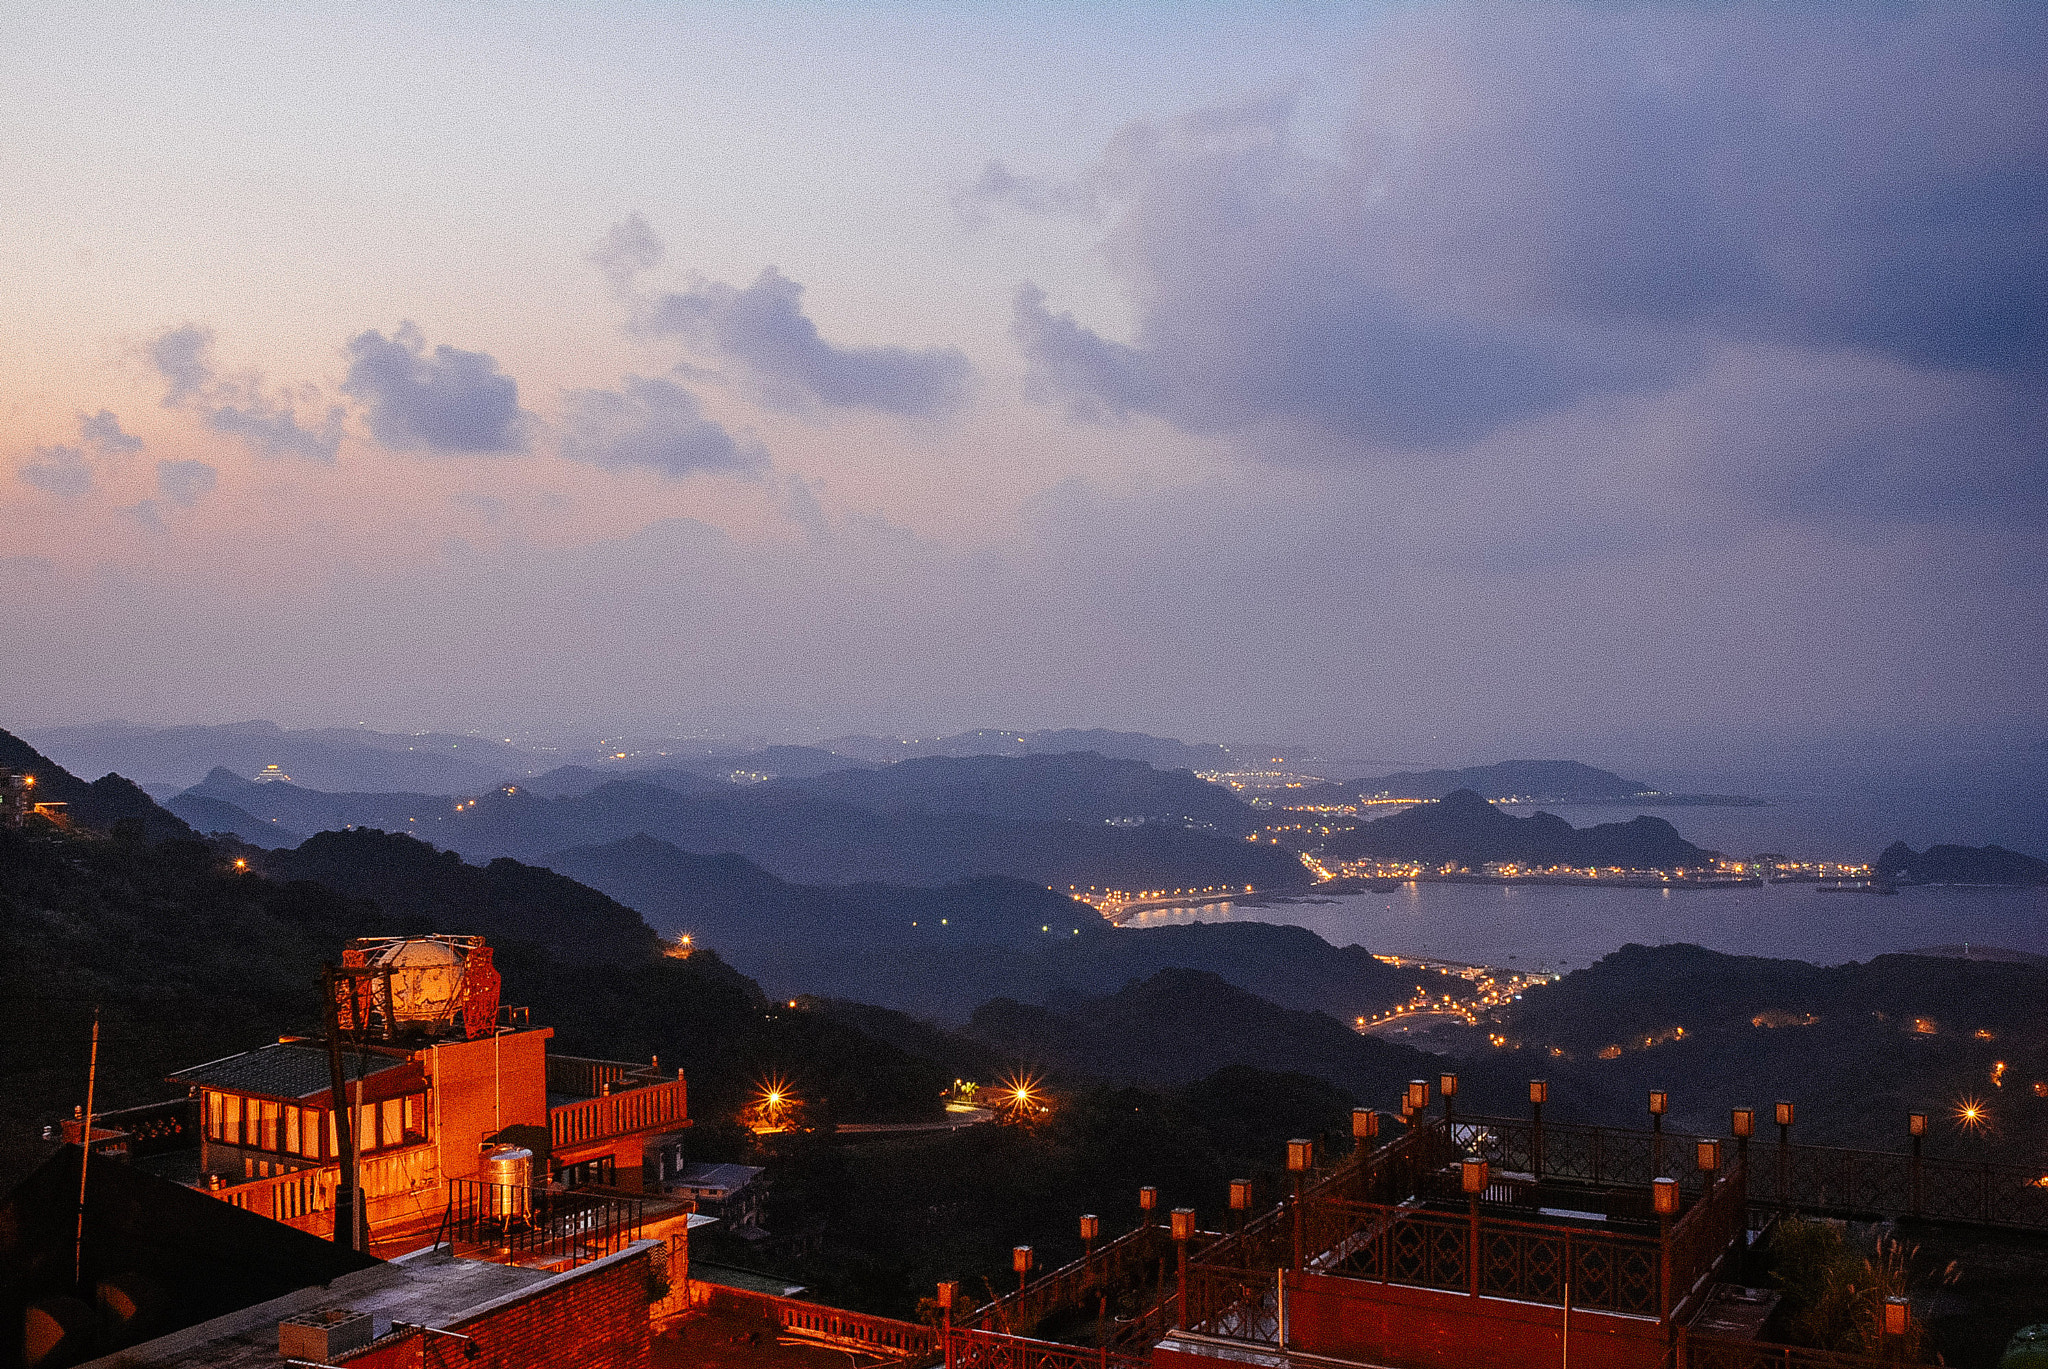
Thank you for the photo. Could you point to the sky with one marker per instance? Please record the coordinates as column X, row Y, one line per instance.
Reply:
column 1433, row 381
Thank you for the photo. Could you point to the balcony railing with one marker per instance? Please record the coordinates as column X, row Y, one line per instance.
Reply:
column 1130, row 1261
column 535, row 1225
column 619, row 1114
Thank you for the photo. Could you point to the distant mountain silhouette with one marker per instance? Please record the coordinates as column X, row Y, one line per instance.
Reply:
column 1545, row 781
column 939, row 952
column 1465, row 828
column 102, row 804
column 1069, row 787
column 1164, row 753
column 339, row 758
column 816, row 840
column 1960, row 865
column 215, row 816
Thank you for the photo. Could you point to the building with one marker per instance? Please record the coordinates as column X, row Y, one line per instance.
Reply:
column 727, row 1193
column 434, row 1072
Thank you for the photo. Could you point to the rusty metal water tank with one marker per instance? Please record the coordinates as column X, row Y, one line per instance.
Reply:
column 426, row 980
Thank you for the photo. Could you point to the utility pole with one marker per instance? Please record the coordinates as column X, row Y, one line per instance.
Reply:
column 92, row 1072
column 348, row 1222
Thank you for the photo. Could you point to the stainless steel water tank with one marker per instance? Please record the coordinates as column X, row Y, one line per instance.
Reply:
column 509, row 1171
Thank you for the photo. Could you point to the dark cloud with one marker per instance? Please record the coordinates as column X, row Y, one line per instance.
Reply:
column 1537, row 206
column 999, row 190
column 184, row 482
column 653, row 423
column 238, row 406
column 764, row 329
column 61, row 470
column 447, row 401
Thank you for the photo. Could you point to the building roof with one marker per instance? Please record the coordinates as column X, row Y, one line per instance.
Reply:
column 295, row 1072
column 723, row 1180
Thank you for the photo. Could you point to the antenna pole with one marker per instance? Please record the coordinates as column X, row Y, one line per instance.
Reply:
column 92, row 1072
column 345, row 1195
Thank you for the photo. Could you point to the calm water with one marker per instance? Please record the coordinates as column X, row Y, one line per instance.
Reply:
column 1533, row 926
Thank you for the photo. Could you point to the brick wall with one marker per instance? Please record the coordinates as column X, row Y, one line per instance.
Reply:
column 593, row 1318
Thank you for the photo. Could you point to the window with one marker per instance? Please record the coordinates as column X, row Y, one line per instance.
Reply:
column 390, row 1121
column 234, row 1132
column 216, row 1117
column 366, row 1128
column 291, row 1130
column 333, row 1138
column 266, row 1125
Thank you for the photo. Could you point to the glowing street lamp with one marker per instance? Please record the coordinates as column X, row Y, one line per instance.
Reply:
column 1020, row 1260
column 1418, row 1094
column 1472, row 1178
column 1091, row 1227
column 1148, row 1198
column 1183, row 1232
column 1301, row 1154
column 1539, row 1094
column 1365, row 1124
column 1448, row 1084
column 1707, row 1154
column 1784, row 1117
column 1897, row 1316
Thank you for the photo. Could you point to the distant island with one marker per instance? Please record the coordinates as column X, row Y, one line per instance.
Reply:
column 1464, row 829
column 1513, row 782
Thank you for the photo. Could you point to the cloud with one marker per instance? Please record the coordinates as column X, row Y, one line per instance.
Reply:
column 1537, row 206
column 449, row 401
column 629, row 248
column 764, row 329
column 652, row 423
column 1000, row 190
column 61, row 470
column 184, row 482
column 102, row 432
column 238, row 406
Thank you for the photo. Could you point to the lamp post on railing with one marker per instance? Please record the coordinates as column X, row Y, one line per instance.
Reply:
column 947, row 1289
column 1300, row 1155
column 1664, row 1198
column 1660, row 1103
column 1447, row 1084
column 1742, row 1126
column 1916, row 1127
column 1020, row 1260
column 1091, row 1227
column 1539, row 1094
column 1784, row 1150
column 1183, row 1232
column 1240, row 1200
column 1365, row 1126
column 1148, row 1202
column 1472, row 1178
column 1707, row 1155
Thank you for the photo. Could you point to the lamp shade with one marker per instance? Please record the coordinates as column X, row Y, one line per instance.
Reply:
column 946, row 1291
column 1418, row 1094
column 1020, row 1259
column 1539, row 1091
column 1916, row 1124
column 1660, row 1102
column 1365, row 1123
column 1183, row 1223
column 1664, row 1196
column 1472, row 1175
column 1449, row 1084
column 1895, row 1314
column 1709, row 1155
column 1300, row 1155
column 1091, row 1226
column 1742, row 1121
column 1148, row 1198
column 1784, row 1113
column 1240, row 1195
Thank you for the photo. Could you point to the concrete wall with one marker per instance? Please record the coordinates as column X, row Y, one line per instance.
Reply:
column 1424, row 1328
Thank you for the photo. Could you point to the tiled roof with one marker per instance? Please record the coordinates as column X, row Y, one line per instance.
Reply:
column 300, row 1073
column 728, row 1179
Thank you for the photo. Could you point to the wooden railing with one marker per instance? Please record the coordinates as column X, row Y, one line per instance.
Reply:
column 620, row 1114
column 1696, row 1350
column 1133, row 1256
column 905, row 1339
column 303, row 1198
column 969, row 1349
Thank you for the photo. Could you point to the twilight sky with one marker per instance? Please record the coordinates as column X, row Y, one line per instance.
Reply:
column 1440, row 381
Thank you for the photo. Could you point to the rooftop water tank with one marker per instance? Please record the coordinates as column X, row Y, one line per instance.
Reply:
column 426, row 980
column 509, row 1172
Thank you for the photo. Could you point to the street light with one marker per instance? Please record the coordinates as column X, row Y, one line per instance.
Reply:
column 1148, row 1199
column 1418, row 1094
column 1539, row 1094
column 1448, row 1084
column 1020, row 1260
column 1091, row 1227
column 1660, row 1103
column 1916, row 1127
column 1240, row 1195
column 1784, row 1114
column 1708, row 1156
column 1897, row 1312
column 948, row 1289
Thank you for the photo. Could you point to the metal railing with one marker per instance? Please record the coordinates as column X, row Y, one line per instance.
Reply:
column 975, row 1349
column 516, row 1224
column 1823, row 1180
column 1131, row 1259
column 619, row 1114
column 1696, row 1350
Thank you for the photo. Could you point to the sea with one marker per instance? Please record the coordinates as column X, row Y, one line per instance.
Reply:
column 1563, row 928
